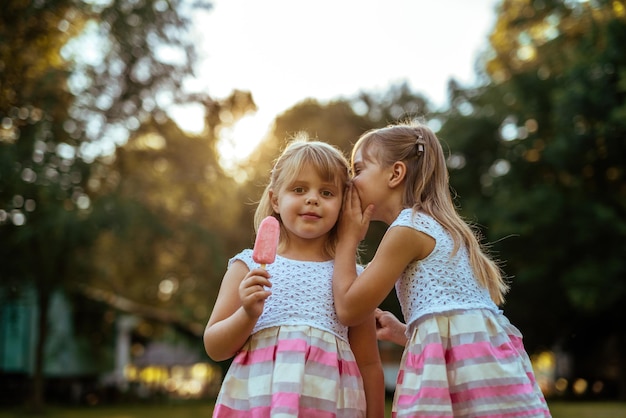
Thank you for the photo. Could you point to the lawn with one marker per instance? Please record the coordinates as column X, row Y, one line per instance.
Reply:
column 588, row 409
column 198, row 410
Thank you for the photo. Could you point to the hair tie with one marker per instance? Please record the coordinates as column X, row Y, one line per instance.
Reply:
column 419, row 144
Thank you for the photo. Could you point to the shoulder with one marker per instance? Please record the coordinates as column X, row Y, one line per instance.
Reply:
column 403, row 219
column 245, row 256
column 402, row 243
column 399, row 247
column 416, row 227
column 414, row 219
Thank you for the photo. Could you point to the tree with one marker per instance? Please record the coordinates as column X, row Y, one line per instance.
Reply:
column 169, row 220
column 77, row 78
column 41, row 183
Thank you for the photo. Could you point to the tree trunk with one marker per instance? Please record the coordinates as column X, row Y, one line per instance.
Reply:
column 621, row 366
column 38, row 382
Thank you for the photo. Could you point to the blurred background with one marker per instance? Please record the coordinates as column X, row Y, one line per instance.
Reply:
column 133, row 149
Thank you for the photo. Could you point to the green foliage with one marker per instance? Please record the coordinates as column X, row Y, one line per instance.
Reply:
column 545, row 141
column 170, row 220
column 78, row 79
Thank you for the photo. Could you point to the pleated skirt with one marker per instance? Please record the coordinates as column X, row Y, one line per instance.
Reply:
column 292, row 371
column 467, row 364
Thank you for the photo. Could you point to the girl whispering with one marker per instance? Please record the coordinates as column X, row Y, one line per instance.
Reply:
column 463, row 357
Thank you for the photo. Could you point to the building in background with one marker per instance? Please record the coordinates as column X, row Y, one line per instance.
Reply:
column 115, row 355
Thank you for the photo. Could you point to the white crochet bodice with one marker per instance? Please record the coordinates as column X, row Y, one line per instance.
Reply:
column 302, row 294
column 439, row 282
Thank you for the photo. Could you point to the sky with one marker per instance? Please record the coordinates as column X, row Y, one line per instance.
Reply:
column 284, row 51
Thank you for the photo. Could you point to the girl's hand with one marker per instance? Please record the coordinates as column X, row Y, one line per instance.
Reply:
column 389, row 328
column 354, row 221
column 252, row 291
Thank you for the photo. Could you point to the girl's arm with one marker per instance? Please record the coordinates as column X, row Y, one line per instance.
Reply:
column 356, row 299
column 365, row 348
column 239, row 304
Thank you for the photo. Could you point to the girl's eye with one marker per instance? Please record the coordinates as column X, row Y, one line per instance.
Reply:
column 327, row 193
column 298, row 189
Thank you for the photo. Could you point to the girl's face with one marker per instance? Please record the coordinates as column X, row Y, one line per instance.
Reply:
column 309, row 205
column 369, row 178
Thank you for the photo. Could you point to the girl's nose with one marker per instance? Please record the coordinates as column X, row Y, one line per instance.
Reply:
column 311, row 200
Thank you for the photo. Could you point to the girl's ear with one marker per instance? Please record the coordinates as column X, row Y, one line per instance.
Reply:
column 274, row 201
column 398, row 173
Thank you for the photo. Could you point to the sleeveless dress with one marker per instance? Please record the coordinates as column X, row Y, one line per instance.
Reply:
column 298, row 361
column 463, row 358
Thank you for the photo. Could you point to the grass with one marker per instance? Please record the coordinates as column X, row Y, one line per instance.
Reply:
column 561, row 409
column 183, row 410
column 194, row 409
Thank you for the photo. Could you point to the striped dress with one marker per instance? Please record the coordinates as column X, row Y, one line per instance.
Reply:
column 297, row 362
column 464, row 358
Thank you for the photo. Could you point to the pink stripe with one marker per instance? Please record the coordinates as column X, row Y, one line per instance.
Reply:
column 225, row 412
column 464, row 352
column 292, row 402
column 283, row 399
column 310, row 412
column 466, row 395
column 321, row 356
column 483, row 349
column 261, row 355
column 491, row 391
column 291, row 345
column 400, row 378
column 531, row 413
column 349, row 368
column 222, row 411
column 405, row 406
column 442, row 394
column 315, row 354
column 431, row 351
column 425, row 392
column 520, row 414
column 256, row 356
column 518, row 343
column 531, row 377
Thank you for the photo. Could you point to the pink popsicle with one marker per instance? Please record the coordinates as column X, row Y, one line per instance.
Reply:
column 266, row 241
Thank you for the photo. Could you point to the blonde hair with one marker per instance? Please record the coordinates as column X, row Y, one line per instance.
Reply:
column 301, row 153
column 427, row 189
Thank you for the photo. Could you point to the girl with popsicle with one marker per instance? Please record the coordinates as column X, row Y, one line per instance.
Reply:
column 463, row 357
column 274, row 312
